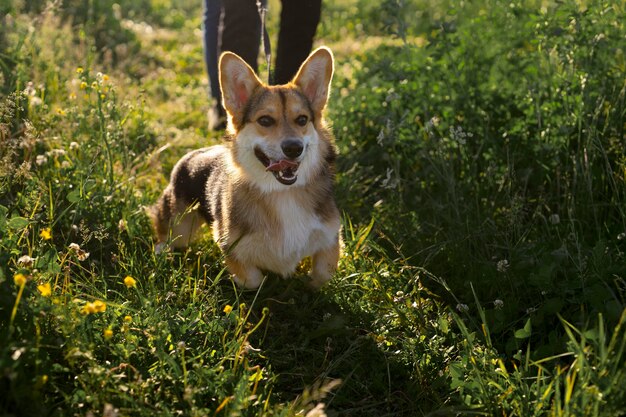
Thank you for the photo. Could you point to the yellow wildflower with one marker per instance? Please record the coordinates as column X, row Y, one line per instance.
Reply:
column 95, row 307
column 46, row 234
column 100, row 306
column 79, row 70
column 45, row 289
column 128, row 319
column 83, row 85
column 228, row 308
column 88, row 308
column 130, row 282
column 19, row 279
column 94, row 84
column 108, row 333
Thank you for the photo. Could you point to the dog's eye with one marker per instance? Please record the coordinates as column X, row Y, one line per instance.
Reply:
column 302, row 120
column 266, row 121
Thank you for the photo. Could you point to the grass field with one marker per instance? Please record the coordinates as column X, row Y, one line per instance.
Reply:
column 482, row 180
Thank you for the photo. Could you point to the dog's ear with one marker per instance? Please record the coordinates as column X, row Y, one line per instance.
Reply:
column 237, row 82
column 314, row 77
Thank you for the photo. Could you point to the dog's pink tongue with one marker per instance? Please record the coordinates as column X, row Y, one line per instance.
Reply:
column 281, row 165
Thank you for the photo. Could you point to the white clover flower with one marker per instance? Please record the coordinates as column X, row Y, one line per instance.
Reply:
column 41, row 159
column 56, row 152
column 35, row 101
column 462, row 308
column 74, row 146
column 25, row 261
column 621, row 236
column 80, row 253
column 502, row 265
column 498, row 304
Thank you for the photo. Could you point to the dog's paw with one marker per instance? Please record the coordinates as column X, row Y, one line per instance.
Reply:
column 316, row 281
column 252, row 279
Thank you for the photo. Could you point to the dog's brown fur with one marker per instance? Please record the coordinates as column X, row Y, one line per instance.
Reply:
column 268, row 193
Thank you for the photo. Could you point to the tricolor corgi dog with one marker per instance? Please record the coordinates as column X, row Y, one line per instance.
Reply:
column 268, row 192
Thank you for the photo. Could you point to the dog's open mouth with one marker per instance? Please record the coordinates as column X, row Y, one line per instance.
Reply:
column 284, row 170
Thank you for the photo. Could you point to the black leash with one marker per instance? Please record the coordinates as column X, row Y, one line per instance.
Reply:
column 267, row 48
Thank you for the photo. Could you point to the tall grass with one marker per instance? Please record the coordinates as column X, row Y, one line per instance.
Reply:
column 482, row 179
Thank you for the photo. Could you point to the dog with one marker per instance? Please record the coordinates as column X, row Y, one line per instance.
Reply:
column 268, row 192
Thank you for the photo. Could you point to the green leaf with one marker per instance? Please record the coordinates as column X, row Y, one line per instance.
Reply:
column 17, row 223
column 525, row 332
column 74, row 196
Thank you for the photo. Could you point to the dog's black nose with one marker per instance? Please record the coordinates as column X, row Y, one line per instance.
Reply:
column 292, row 148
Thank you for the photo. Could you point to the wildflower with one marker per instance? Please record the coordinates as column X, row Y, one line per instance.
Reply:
column 621, row 236
column 46, row 233
column 498, row 304
column 56, row 153
column 88, row 308
column 30, row 90
column 79, row 70
column 61, row 112
column 503, row 265
column 100, row 306
column 121, row 225
column 83, row 85
column 19, row 279
column 74, row 146
column 80, row 253
column 94, row 84
column 554, row 219
column 228, row 308
column 45, row 289
column 25, row 261
column 128, row 319
column 72, row 96
column 95, row 307
column 105, row 77
column 41, row 159
column 108, row 333
column 130, row 282
column 462, row 308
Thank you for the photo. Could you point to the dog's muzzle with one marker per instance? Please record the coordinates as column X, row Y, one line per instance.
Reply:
column 284, row 170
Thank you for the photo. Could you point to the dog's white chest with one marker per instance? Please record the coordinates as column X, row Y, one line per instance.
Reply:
column 298, row 232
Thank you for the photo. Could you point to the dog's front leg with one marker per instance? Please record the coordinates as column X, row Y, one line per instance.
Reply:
column 324, row 265
column 244, row 275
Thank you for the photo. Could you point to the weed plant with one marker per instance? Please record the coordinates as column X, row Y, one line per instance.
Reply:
column 482, row 177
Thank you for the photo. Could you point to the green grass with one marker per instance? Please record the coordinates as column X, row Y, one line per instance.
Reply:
column 482, row 180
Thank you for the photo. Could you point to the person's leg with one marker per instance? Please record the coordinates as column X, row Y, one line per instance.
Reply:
column 210, row 25
column 241, row 30
column 298, row 23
